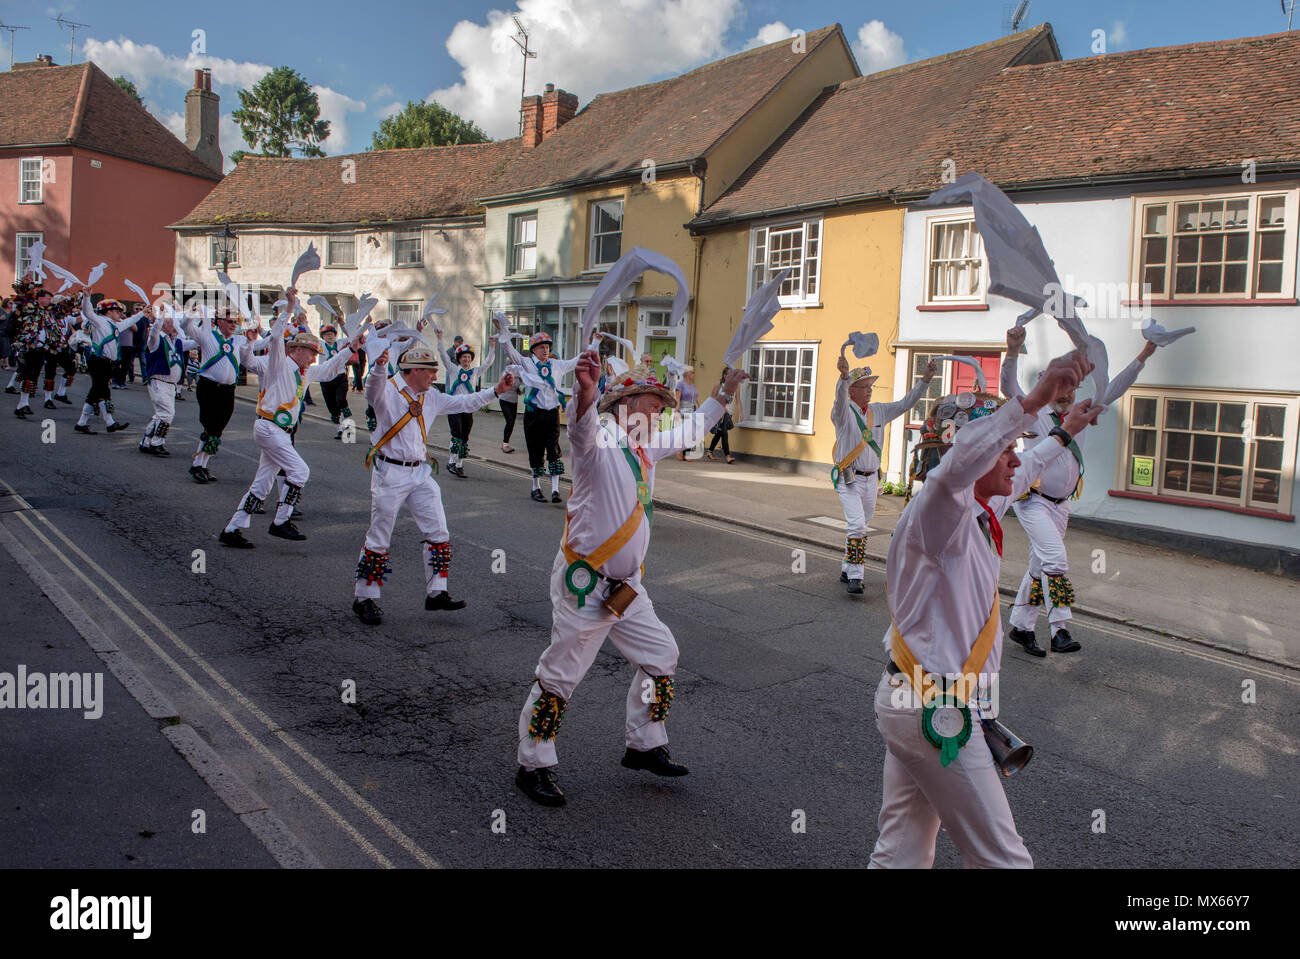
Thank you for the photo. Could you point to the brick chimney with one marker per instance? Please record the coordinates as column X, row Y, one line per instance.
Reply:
column 545, row 114
column 202, row 121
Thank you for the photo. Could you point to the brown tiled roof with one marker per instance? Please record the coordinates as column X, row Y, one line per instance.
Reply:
column 80, row 106
column 671, row 121
column 390, row 185
column 861, row 137
column 1201, row 106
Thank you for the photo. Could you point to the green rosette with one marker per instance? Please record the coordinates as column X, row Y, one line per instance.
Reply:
column 946, row 725
column 580, row 580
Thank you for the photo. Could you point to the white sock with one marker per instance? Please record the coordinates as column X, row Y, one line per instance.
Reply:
column 87, row 411
column 555, row 484
column 60, row 384
column 537, row 482
column 105, row 414
column 49, row 397
column 13, row 379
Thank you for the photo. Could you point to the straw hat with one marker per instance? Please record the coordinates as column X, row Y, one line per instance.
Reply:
column 304, row 340
column 634, row 382
column 418, row 358
column 861, row 373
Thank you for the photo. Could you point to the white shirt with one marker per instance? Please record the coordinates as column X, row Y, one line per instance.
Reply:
column 385, row 397
column 1062, row 474
column 545, row 396
column 942, row 572
column 459, row 380
column 281, row 382
column 103, row 331
column 848, row 433
column 174, row 369
column 604, row 486
column 212, row 346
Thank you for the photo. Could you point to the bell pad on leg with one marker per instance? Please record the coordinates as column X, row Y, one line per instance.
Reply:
column 548, row 710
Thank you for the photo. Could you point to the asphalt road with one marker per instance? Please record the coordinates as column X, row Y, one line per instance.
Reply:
column 773, row 708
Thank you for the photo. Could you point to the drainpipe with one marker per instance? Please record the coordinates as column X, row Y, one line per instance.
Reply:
column 698, row 169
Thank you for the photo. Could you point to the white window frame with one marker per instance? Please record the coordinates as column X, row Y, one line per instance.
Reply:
column 514, row 268
column 929, row 297
column 404, row 311
column 593, row 234
column 399, row 236
column 24, row 180
column 330, row 264
column 1253, row 193
column 1245, row 500
column 19, row 255
column 810, row 252
column 758, row 380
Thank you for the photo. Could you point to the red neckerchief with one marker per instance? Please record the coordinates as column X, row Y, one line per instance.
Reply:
column 995, row 528
column 645, row 460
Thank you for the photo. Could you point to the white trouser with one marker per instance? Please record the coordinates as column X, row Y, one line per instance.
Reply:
column 277, row 454
column 1044, row 523
column 162, row 393
column 390, row 487
column 919, row 794
column 576, row 638
column 858, row 500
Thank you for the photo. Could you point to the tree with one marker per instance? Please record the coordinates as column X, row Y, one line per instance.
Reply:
column 425, row 125
column 281, row 114
column 129, row 87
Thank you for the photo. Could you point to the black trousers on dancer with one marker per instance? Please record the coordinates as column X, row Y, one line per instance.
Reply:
column 216, row 406
column 29, row 371
column 510, row 411
column 62, row 359
column 100, row 370
column 335, row 392
column 542, row 434
column 461, row 424
column 359, row 370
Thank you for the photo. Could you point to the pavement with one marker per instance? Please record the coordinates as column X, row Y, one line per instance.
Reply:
column 1215, row 604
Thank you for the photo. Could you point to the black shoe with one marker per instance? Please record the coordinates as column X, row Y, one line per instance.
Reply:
column 457, row 471
column 855, row 587
column 79, row 428
column 555, row 498
column 161, row 451
column 844, row 577
column 1027, row 639
column 11, row 389
column 286, row 530
column 443, row 600
column 197, row 473
column 49, row 404
column 146, row 448
column 64, row 399
column 25, row 411
column 654, row 760
column 368, row 611
column 115, row 427
column 1063, row 643
column 537, row 494
column 540, row 786
column 235, row 539
column 208, row 476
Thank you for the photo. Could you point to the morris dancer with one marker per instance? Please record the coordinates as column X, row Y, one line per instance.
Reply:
column 596, row 589
column 104, row 331
column 1044, row 511
column 221, row 351
column 165, row 351
column 335, row 391
column 401, row 473
column 859, row 431
column 943, row 600
column 58, row 356
column 542, row 404
column 289, row 370
column 461, row 375
column 32, row 301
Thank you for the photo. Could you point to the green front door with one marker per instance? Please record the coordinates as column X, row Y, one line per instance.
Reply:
column 657, row 346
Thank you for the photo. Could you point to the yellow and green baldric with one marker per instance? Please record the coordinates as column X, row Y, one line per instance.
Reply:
column 283, row 415
column 867, row 440
column 945, row 716
column 580, row 576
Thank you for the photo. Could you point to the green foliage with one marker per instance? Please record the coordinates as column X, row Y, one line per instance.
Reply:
column 425, row 125
column 279, row 115
column 129, row 87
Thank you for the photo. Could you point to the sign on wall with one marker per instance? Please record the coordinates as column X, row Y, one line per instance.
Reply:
column 1144, row 468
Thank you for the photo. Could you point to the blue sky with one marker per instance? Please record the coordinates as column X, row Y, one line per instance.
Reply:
column 367, row 59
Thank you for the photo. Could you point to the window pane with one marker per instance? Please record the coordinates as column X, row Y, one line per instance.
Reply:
column 1270, row 245
column 1231, row 417
column 1188, row 214
column 1154, row 249
column 1144, row 411
column 1237, row 213
column 1204, row 415
column 1178, row 414
column 1211, row 278
column 1238, row 246
column 1185, row 279
column 1201, row 479
column 1143, row 442
column 1268, row 455
column 1270, row 278
column 1211, row 248
column 1231, row 451
column 1269, row 420
column 1203, row 448
column 1178, row 445
column 1157, row 219
column 1176, row 475
column 1266, row 487
column 1228, row 483
column 1272, row 211
column 1234, row 278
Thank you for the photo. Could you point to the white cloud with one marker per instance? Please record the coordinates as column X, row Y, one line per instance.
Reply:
column 1118, row 34
column 583, row 46
column 163, row 80
column 878, row 48
column 769, row 33
column 392, row 110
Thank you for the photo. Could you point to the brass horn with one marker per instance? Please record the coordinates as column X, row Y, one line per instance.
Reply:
column 1010, row 752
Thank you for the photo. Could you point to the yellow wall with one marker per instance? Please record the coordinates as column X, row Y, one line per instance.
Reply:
column 861, row 257
column 829, row 64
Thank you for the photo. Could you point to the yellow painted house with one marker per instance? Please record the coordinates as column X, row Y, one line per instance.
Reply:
column 819, row 201
column 631, row 169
